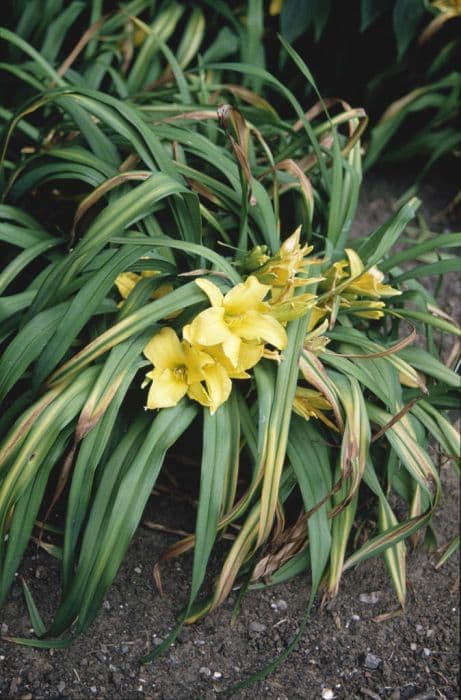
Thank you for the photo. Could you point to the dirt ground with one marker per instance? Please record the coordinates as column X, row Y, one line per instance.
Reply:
column 345, row 651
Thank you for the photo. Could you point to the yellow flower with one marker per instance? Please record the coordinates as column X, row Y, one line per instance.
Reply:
column 367, row 283
column 361, row 282
column 282, row 269
column 364, row 309
column 127, row 281
column 241, row 316
column 309, row 403
column 181, row 369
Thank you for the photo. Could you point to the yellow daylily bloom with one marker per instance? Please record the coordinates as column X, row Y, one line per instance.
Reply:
column 364, row 309
column 367, row 283
column 281, row 270
column 362, row 282
column 181, row 369
column 239, row 316
column 310, row 403
column 127, row 281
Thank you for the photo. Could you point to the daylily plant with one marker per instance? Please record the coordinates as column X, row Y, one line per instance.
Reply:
column 231, row 336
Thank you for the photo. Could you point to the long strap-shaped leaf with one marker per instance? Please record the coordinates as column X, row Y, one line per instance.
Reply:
column 130, row 207
column 25, row 513
column 310, row 460
column 42, row 433
column 135, row 323
column 83, row 306
column 118, row 507
column 279, row 425
column 354, row 453
column 218, row 451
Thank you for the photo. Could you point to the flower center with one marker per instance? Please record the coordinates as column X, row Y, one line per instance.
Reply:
column 180, row 372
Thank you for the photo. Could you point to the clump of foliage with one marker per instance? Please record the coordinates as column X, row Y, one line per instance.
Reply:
column 169, row 250
column 408, row 82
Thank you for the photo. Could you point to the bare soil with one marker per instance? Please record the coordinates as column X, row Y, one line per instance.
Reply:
column 345, row 652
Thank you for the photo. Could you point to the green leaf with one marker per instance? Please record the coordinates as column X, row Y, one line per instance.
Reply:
column 310, row 460
column 374, row 247
column 407, row 16
column 35, row 618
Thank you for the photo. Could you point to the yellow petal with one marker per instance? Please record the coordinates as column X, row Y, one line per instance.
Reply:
column 355, row 264
column 218, row 385
column 261, row 328
column 166, row 390
column 196, row 360
column 245, row 296
column 216, row 389
column 211, row 290
column 164, row 350
column 231, row 348
column 126, row 282
column 208, row 328
column 249, row 355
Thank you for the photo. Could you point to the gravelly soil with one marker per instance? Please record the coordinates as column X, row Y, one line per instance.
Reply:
column 345, row 651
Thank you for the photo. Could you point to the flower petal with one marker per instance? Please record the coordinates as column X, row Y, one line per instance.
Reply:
column 211, row 290
column 164, row 350
column 246, row 295
column 126, row 282
column 208, row 328
column 167, row 389
column 217, row 388
column 261, row 328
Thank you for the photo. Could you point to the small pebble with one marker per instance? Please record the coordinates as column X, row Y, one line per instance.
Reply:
column 413, row 646
column 370, row 598
column 426, row 652
column 419, row 629
column 205, row 671
column 430, row 633
column 137, row 570
column 279, row 605
column 157, row 641
column 40, row 572
column 3, row 628
column 327, row 694
column 124, row 648
column 257, row 627
column 106, row 605
column 61, row 686
column 93, row 689
column 372, row 662
column 217, row 675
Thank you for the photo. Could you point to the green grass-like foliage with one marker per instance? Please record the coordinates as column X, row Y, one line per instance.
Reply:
column 116, row 161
